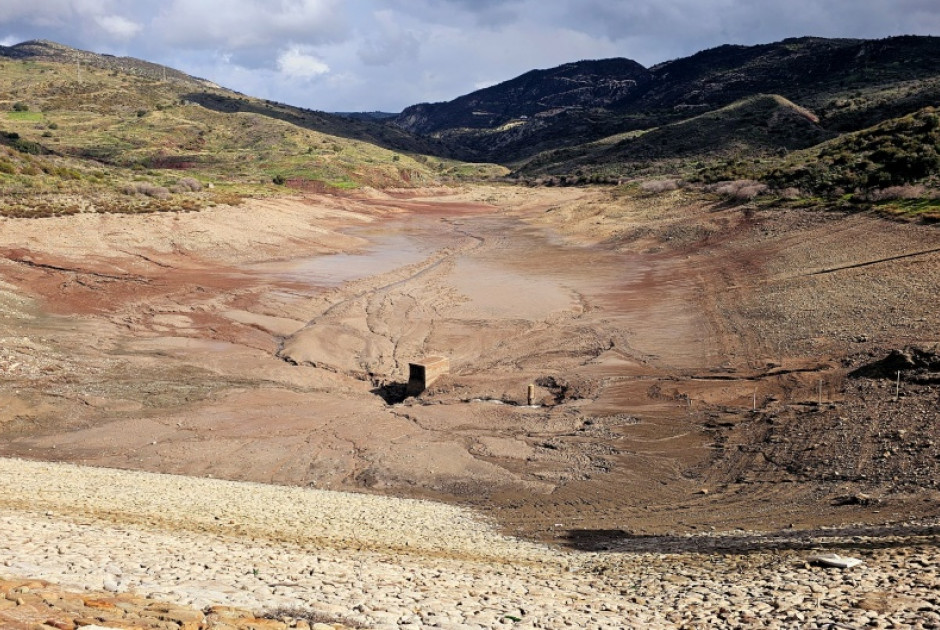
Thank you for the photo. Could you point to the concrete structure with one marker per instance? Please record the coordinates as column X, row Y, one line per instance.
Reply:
column 424, row 372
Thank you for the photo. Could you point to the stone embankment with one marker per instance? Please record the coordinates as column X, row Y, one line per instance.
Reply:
column 137, row 550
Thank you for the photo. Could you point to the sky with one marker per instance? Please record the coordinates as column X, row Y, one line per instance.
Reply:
column 367, row 55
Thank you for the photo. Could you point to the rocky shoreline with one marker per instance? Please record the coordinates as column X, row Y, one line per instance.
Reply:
column 142, row 542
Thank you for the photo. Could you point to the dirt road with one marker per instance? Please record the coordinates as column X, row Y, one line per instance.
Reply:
column 690, row 359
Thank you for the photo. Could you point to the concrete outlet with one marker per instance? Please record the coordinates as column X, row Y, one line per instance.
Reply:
column 424, row 372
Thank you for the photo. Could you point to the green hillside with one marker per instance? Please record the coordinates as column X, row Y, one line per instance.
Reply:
column 755, row 126
column 82, row 132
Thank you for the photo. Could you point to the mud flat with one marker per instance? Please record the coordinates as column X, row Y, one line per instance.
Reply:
column 691, row 360
column 387, row 563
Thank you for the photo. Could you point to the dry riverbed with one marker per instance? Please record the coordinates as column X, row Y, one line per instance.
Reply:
column 702, row 371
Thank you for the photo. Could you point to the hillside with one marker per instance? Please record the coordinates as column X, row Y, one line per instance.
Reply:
column 846, row 85
column 759, row 125
column 86, row 132
column 539, row 93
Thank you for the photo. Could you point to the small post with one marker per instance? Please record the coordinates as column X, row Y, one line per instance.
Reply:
column 897, row 388
column 531, row 395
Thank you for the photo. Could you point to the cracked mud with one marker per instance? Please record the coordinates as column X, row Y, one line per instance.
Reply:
column 691, row 362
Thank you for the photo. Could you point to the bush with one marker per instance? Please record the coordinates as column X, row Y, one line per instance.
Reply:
column 20, row 107
column 146, row 188
column 659, row 185
column 278, row 180
column 742, row 189
column 187, row 184
column 790, row 193
column 893, row 193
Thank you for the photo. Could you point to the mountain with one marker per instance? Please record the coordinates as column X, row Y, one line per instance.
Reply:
column 367, row 115
column 846, row 84
column 539, row 93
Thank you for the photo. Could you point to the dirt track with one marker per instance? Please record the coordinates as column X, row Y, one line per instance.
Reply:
column 690, row 359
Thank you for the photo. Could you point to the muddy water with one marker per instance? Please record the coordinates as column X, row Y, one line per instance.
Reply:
column 518, row 272
column 386, row 249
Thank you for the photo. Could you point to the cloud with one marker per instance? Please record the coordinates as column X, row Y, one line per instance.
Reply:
column 297, row 63
column 656, row 31
column 53, row 14
column 387, row 54
column 250, row 25
column 118, row 27
column 485, row 13
column 390, row 43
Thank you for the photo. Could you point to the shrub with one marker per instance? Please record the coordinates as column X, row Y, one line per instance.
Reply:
column 146, row 188
column 893, row 193
column 659, row 185
column 742, row 189
column 24, row 146
column 20, row 107
column 187, row 184
column 278, row 180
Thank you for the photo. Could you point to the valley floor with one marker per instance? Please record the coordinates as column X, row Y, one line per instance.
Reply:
column 692, row 361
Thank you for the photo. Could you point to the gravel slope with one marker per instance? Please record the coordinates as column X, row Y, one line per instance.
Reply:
column 404, row 563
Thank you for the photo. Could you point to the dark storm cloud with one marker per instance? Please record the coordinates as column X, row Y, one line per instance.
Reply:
column 486, row 13
column 386, row 54
column 668, row 28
